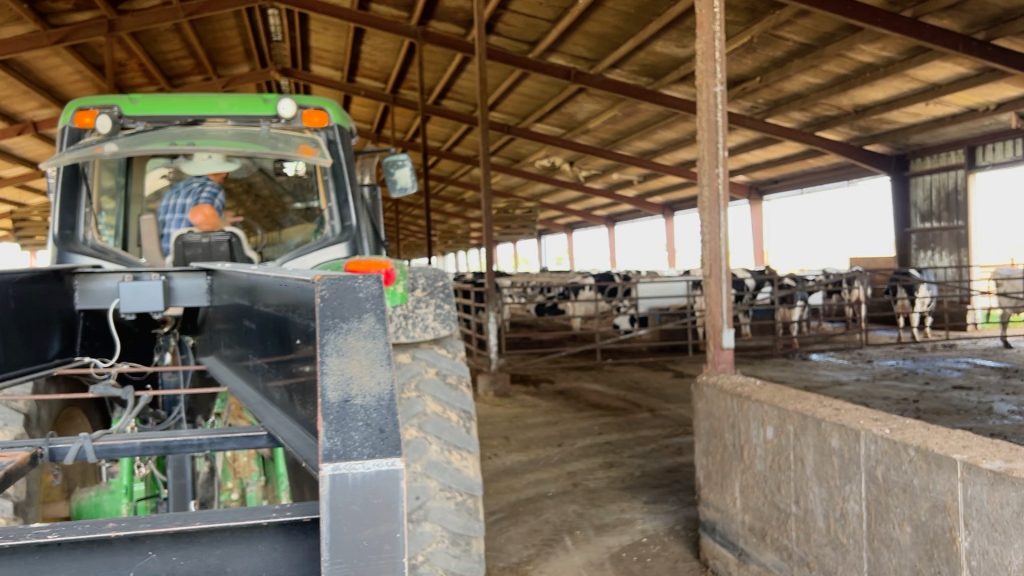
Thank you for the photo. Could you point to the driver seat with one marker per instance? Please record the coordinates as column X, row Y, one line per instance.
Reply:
column 189, row 245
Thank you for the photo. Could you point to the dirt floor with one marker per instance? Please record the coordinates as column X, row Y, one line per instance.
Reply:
column 590, row 470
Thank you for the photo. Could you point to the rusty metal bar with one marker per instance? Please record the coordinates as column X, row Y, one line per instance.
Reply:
column 486, row 204
column 424, row 151
column 398, row 230
column 713, row 179
column 137, row 370
column 86, row 395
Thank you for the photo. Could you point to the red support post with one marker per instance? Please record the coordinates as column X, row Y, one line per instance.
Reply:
column 612, row 260
column 670, row 238
column 713, row 179
column 757, row 228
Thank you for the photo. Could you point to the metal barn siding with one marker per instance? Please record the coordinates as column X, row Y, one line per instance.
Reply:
column 997, row 153
column 938, row 217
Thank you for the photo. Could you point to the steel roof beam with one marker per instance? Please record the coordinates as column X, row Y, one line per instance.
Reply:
column 644, row 205
column 32, row 16
column 511, row 130
column 98, row 28
column 872, row 160
column 935, row 37
column 419, row 17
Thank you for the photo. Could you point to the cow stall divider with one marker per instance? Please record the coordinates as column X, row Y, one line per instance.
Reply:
column 545, row 319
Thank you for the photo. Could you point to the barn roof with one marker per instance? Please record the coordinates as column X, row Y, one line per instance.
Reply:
column 592, row 101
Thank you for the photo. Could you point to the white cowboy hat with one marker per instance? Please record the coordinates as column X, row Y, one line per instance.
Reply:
column 203, row 163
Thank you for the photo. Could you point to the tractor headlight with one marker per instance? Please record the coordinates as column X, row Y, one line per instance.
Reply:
column 287, row 108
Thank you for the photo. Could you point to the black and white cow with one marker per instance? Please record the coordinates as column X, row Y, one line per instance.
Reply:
column 913, row 294
column 593, row 295
column 575, row 295
column 1009, row 284
column 791, row 306
column 826, row 293
column 856, row 293
column 747, row 285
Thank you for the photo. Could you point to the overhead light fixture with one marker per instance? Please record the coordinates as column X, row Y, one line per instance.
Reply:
column 274, row 23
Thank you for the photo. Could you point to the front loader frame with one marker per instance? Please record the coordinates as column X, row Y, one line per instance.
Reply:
column 306, row 352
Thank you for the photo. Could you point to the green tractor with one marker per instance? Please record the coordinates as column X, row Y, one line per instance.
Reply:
column 222, row 345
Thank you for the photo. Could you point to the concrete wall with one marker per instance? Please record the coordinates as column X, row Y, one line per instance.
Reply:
column 793, row 483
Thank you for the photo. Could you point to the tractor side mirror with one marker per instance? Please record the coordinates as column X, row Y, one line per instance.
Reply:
column 400, row 175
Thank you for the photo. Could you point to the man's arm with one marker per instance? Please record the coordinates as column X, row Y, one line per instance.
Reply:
column 205, row 218
column 206, row 214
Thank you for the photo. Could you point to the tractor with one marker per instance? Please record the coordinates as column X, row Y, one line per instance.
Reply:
column 266, row 392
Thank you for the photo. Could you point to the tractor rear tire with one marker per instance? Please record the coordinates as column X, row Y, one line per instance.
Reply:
column 442, row 456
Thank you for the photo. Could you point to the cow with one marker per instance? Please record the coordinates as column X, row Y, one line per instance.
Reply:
column 748, row 291
column 827, row 293
column 856, row 292
column 913, row 294
column 1009, row 285
column 791, row 306
column 595, row 294
column 749, row 288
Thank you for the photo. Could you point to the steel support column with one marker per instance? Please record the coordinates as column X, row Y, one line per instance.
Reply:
column 713, row 180
column 572, row 250
column 398, row 231
column 424, row 151
column 612, row 259
column 670, row 238
column 757, row 228
column 900, row 186
column 486, row 205
column 540, row 253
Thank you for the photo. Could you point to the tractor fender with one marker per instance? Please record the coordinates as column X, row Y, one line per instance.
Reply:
column 430, row 312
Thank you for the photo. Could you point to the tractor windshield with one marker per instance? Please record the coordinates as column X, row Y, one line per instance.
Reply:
column 275, row 189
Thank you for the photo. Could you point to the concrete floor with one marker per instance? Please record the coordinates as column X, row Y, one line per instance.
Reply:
column 590, row 470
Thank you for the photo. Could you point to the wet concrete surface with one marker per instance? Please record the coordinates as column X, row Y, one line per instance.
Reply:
column 590, row 472
column 973, row 385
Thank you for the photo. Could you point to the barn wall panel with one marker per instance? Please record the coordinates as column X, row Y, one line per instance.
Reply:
column 938, row 219
column 791, row 483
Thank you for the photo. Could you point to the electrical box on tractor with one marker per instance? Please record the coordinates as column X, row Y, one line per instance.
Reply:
column 269, row 396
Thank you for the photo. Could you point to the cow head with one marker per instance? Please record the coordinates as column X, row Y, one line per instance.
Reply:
column 625, row 320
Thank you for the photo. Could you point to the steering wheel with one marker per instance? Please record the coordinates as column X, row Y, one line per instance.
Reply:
column 261, row 234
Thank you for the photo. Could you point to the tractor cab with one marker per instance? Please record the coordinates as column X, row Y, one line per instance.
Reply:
column 280, row 171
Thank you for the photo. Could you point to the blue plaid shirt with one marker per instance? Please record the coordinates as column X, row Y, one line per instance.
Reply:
column 180, row 199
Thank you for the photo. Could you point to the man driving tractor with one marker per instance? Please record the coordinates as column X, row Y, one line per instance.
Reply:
column 197, row 201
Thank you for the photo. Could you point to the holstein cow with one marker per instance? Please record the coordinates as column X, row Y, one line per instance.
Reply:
column 1010, row 296
column 855, row 294
column 791, row 305
column 913, row 294
column 747, row 285
column 827, row 294
column 593, row 295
